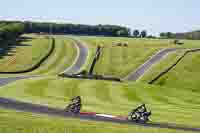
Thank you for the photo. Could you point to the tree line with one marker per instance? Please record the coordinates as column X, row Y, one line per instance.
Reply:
column 194, row 35
column 138, row 34
column 77, row 29
column 12, row 29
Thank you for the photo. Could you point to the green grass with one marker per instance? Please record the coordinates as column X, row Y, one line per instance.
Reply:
column 139, row 42
column 175, row 98
column 24, row 55
column 21, row 122
column 63, row 57
column 185, row 74
column 180, row 105
column 120, row 61
column 161, row 65
column 2, row 25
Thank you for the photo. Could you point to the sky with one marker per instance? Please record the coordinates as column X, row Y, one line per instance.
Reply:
column 155, row 16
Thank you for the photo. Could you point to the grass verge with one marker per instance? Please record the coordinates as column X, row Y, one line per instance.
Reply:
column 24, row 55
column 21, row 122
column 180, row 105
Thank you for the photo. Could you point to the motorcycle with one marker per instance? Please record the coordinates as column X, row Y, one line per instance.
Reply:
column 140, row 114
column 74, row 106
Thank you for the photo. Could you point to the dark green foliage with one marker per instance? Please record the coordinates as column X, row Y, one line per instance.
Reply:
column 77, row 29
column 163, row 35
column 136, row 33
column 167, row 35
column 10, row 31
column 143, row 34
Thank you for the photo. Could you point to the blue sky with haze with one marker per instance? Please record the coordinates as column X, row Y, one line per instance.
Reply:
column 153, row 15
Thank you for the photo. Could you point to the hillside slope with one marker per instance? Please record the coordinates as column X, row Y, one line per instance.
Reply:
column 110, row 97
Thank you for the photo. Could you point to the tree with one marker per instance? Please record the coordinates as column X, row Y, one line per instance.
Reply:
column 162, row 35
column 143, row 34
column 136, row 33
column 170, row 35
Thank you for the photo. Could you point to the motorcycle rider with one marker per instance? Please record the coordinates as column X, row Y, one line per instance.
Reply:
column 140, row 113
column 75, row 105
column 141, row 109
column 76, row 100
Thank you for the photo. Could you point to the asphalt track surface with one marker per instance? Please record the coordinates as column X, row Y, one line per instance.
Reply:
column 5, row 81
column 81, row 57
column 40, row 109
column 144, row 67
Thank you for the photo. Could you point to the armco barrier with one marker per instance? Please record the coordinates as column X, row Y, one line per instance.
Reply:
column 95, row 59
column 36, row 65
column 95, row 77
column 173, row 65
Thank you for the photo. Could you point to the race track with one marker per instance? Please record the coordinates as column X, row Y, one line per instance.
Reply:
column 144, row 67
column 40, row 109
column 5, row 81
column 79, row 62
column 81, row 57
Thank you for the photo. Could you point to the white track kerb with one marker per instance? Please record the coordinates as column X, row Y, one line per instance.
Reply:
column 104, row 115
column 165, row 56
column 81, row 58
column 88, row 53
column 74, row 62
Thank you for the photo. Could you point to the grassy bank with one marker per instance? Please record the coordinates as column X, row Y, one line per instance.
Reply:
column 20, row 122
column 24, row 54
column 120, row 61
column 110, row 97
column 161, row 65
column 185, row 74
column 63, row 57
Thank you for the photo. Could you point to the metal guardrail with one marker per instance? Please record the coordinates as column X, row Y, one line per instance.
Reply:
column 95, row 59
column 173, row 65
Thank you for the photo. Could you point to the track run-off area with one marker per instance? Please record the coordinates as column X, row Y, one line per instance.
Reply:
column 36, row 108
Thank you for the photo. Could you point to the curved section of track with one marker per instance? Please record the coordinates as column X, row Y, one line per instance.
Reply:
column 36, row 66
column 144, row 67
column 81, row 57
column 78, row 63
column 40, row 109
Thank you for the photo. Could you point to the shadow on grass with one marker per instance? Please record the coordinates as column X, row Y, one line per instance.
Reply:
column 8, row 48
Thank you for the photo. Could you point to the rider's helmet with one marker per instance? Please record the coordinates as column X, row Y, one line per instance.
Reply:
column 76, row 99
column 144, row 107
column 141, row 108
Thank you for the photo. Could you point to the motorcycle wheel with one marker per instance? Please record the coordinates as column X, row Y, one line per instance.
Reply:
column 133, row 117
column 144, row 119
